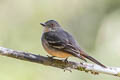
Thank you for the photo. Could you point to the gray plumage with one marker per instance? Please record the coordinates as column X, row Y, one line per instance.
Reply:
column 56, row 38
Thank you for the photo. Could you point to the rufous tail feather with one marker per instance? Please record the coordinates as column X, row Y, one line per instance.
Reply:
column 92, row 59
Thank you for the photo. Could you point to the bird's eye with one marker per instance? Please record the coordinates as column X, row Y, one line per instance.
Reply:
column 52, row 25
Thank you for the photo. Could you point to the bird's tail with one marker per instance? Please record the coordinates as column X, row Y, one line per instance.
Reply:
column 92, row 59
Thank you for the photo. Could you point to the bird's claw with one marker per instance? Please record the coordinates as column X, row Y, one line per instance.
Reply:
column 66, row 60
column 50, row 57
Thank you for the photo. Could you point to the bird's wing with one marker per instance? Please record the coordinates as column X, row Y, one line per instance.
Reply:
column 54, row 40
column 64, row 42
column 59, row 41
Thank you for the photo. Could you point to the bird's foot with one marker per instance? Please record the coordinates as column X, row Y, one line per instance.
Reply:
column 66, row 60
column 50, row 57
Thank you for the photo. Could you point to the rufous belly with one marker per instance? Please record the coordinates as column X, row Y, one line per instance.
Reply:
column 56, row 53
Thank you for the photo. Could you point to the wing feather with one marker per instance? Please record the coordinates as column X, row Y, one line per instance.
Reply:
column 61, row 41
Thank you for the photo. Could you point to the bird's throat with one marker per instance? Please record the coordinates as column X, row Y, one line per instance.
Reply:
column 49, row 29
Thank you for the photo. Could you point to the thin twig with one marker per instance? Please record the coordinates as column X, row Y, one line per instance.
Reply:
column 93, row 68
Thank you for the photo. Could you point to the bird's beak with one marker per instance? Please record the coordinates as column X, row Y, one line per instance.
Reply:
column 43, row 24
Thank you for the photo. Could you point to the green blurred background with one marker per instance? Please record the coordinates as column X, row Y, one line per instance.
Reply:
column 94, row 23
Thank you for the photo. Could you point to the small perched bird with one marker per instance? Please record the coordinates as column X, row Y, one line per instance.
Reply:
column 60, row 43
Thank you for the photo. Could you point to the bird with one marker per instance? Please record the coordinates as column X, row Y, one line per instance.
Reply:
column 59, row 43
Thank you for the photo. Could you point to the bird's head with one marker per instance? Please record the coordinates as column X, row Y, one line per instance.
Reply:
column 50, row 25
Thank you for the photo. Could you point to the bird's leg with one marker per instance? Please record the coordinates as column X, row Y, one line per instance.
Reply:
column 65, row 60
column 51, row 58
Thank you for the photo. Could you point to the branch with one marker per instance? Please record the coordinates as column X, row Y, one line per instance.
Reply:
column 93, row 68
